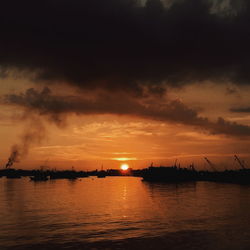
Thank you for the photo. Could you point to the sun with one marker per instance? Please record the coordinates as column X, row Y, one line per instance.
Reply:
column 124, row 167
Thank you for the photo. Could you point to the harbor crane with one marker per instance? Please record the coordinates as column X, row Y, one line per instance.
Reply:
column 210, row 164
column 241, row 163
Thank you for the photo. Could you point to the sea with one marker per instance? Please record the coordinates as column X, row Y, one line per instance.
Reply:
column 123, row 213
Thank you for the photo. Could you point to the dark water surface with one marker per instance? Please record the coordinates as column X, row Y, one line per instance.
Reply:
column 123, row 213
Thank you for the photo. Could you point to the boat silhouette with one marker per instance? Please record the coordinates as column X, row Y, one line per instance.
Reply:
column 101, row 174
column 169, row 174
column 39, row 176
column 64, row 175
column 12, row 173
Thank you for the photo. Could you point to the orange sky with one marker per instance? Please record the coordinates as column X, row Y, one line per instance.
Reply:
column 88, row 141
column 87, row 83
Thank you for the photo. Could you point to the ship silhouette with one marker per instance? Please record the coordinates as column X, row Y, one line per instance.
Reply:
column 101, row 174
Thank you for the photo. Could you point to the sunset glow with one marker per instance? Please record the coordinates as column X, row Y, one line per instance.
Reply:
column 124, row 167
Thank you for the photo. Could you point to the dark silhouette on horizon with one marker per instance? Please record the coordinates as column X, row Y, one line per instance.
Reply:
column 167, row 174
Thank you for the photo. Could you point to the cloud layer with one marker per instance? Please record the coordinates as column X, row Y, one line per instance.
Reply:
column 122, row 45
column 240, row 110
column 174, row 111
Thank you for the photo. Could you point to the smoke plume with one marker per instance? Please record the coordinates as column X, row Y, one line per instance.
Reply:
column 14, row 156
column 34, row 133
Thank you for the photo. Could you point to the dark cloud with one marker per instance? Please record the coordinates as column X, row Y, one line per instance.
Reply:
column 232, row 91
column 121, row 45
column 55, row 107
column 240, row 110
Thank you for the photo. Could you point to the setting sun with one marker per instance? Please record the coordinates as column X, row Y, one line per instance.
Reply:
column 124, row 167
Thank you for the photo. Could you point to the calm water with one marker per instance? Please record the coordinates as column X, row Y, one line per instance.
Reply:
column 123, row 213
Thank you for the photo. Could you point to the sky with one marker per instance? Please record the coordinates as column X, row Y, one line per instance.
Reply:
column 90, row 83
